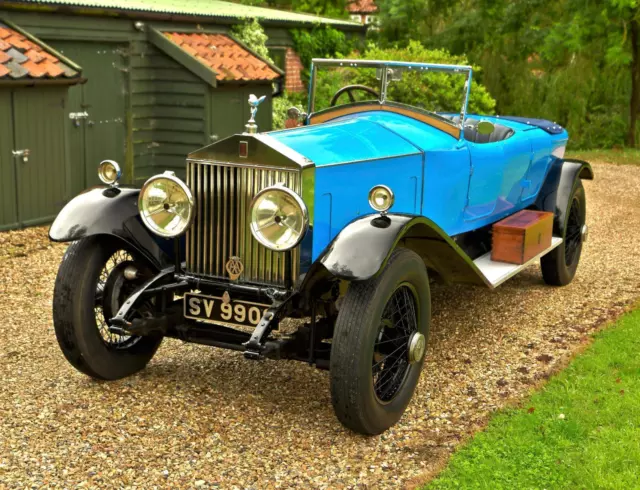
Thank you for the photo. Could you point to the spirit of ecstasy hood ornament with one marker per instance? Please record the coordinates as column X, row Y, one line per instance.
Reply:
column 254, row 102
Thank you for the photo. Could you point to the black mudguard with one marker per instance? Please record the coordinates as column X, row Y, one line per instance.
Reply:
column 363, row 247
column 110, row 211
column 557, row 188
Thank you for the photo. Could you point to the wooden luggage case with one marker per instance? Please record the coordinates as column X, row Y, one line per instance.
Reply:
column 520, row 237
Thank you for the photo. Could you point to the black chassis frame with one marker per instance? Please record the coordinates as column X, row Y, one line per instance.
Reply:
column 306, row 344
column 450, row 258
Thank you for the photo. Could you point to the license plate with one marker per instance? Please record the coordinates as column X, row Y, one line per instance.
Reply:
column 212, row 309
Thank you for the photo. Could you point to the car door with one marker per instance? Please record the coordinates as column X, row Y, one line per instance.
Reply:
column 498, row 176
column 485, row 181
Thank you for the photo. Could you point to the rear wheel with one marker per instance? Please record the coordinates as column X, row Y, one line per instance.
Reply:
column 560, row 265
column 89, row 289
column 379, row 344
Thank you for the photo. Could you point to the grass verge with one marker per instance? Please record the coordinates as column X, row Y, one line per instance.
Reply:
column 582, row 430
column 623, row 156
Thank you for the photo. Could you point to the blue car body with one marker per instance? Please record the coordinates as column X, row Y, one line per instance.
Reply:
column 459, row 185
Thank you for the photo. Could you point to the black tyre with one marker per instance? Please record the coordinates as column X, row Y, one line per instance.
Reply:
column 80, row 309
column 560, row 265
column 376, row 358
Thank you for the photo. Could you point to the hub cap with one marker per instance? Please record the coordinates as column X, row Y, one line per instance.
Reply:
column 417, row 345
column 397, row 343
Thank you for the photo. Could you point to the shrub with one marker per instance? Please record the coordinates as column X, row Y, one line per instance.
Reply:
column 320, row 42
column 251, row 33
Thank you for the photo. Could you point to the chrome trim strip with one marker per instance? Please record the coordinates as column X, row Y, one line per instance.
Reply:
column 233, row 164
column 350, row 162
column 381, row 63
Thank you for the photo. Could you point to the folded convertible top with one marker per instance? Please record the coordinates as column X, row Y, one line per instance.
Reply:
column 548, row 126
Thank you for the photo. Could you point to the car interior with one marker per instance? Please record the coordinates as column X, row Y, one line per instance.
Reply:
column 500, row 132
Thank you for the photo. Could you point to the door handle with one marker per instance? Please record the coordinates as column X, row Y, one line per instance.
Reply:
column 24, row 154
column 76, row 116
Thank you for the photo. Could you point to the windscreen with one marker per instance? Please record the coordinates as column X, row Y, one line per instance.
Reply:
column 432, row 90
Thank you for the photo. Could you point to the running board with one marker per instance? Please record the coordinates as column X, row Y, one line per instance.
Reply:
column 495, row 273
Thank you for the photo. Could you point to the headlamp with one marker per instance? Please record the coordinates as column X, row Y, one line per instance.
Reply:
column 166, row 205
column 279, row 218
column 109, row 172
column 381, row 198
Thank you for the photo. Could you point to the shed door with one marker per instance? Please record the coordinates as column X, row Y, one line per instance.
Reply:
column 39, row 117
column 8, row 203
column 101, row 134
column 230, row 110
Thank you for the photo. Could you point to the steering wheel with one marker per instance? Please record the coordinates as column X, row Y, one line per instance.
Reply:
column 348, row 89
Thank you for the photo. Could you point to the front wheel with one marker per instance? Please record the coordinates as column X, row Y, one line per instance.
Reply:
column 379, row 344
column 89, row 289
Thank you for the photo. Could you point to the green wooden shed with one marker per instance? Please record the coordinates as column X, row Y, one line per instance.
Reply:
column 34, row 82
column 160, row 79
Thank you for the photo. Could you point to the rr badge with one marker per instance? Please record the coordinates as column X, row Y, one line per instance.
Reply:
column 234, row 267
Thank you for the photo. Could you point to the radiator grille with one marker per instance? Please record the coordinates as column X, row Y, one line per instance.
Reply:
column 223, row 196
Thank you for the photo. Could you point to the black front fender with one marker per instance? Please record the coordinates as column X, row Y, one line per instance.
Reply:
column 557, row 189
column 363, row 247
column 110, row 211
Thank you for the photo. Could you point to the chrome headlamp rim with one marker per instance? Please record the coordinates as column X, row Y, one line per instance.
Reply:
column 171, row 176
column 299, row 202
column 392, row 198
column 101, row 175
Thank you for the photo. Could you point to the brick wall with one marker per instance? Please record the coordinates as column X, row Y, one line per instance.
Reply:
column 293, row 68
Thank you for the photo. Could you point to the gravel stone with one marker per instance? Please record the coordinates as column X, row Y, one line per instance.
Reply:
column 199, row 416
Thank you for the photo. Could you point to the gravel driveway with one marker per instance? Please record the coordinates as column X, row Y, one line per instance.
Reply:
column 202, row 417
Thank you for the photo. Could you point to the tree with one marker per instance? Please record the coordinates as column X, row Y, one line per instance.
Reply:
column 252, row 34
column 328, row 8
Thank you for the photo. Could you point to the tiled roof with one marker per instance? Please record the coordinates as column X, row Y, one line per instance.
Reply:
column 227, row 58
column 22, row 59
column 362, row 6
column 207, row 8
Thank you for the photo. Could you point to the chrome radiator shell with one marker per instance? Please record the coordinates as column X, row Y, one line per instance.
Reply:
column 221, row 229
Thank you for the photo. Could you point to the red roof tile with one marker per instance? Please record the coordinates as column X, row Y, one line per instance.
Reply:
column 226, row 57
column 362, row 6
column 22, row 59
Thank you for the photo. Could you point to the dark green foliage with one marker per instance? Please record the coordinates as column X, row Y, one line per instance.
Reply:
column 570, row 61
column 321, row 42
column 433, row 91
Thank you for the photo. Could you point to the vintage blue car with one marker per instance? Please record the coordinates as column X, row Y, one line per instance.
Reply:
column 342, row 222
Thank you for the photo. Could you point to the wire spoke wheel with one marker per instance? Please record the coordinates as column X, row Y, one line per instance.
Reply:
column 111, row 339
column 390, row 362
column 379, row 343
column 573, row 235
